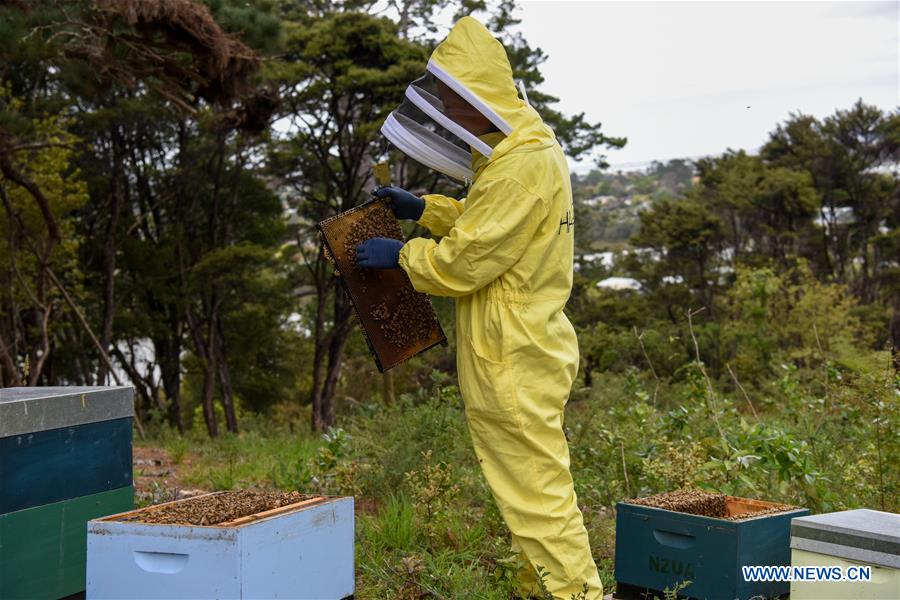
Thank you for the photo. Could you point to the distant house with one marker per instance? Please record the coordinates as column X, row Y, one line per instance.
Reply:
column 597, row 201
column 604, row 258
column 619, row 283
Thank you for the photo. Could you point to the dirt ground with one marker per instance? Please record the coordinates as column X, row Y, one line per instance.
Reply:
column 156, row 477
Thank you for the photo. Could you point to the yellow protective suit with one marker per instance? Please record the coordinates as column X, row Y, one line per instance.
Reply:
column 506, row 256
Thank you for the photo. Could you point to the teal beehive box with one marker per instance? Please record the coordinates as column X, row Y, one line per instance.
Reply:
column 65, row 458
column 659, row 549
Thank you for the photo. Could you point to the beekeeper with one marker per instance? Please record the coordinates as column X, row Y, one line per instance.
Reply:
column 505, row 254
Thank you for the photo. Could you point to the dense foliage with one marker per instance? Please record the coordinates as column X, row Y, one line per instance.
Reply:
column 163, row 167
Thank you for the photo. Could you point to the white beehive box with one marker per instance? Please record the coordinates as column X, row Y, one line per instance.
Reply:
column 302, row 551
column 851, row 538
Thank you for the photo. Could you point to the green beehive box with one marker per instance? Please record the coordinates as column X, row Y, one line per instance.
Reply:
column 43, row 549
column 65, row 458
column 659, row 549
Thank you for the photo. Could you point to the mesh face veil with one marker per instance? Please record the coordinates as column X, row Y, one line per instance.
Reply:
column 420, row 129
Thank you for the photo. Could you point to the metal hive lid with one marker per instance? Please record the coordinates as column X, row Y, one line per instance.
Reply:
column 33, row 409
column 866, row 535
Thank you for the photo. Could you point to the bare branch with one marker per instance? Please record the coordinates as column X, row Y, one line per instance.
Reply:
column 743, row 391
column 11, row 173
column 640, row 339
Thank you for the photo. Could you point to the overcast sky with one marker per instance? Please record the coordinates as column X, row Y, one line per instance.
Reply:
column 688, row 79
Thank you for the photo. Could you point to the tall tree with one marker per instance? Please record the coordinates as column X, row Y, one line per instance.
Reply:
column 154, row 90
column 768, row 210
column 686, row 240
column 846, row 154
column 342, row 75
column 39, row 194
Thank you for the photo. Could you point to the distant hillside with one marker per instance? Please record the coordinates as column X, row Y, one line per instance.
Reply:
column 607, row 204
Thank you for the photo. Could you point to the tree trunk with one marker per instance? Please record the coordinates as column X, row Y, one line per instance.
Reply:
column 317, row 423
column 895, row 335
column 104, row 356
column 13, row 174
column 225, row 380
column 588, row 373
column 866, row 292
column 343, row 325
column 208, row 358
column 209, row 375
column 335, row 362
column 318, row 357
column 330, row 346
column 110, row 247
column 144, row 391
column 38, row 362
column 211, row 353
column 168, row 352
column 34, row 362
column 9, row 374
column 826, row 245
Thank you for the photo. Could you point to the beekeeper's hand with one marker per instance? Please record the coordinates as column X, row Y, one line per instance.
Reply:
column 378, row 253
column 404, row 204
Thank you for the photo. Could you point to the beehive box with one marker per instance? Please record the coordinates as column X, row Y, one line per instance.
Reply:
column 847, row 539
column 65, row 458
column 398, row 322
column 658, row 549
column 302, row 550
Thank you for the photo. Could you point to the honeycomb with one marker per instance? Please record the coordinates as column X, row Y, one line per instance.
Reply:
column 711, row 504
column 398, row 322
column 213, row 509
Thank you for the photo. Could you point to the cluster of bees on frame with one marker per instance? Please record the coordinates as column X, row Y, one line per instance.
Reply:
column 695, row 502
column 416, row 322
column 704, row 504
column 220, row 508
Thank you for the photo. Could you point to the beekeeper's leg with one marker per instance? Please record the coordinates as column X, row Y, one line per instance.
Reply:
column 526, row 575
column 518, row 438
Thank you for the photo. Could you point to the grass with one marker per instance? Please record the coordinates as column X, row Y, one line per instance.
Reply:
column 428, row 527
column 254, row 458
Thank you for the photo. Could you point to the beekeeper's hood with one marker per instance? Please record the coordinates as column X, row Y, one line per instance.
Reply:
column 473, row 64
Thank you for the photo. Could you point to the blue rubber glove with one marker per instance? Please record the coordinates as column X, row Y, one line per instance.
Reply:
column 379, row 253
column 404, row 204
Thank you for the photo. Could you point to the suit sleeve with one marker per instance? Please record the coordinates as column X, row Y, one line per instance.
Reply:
column 500, row 221
column 440, row 213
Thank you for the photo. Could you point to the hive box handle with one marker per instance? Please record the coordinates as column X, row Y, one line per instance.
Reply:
column 160, row 562
column 674, row 539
